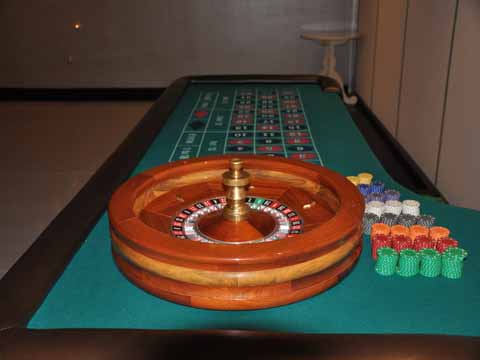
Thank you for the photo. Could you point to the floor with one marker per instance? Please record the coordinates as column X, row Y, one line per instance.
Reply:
column 48, row 150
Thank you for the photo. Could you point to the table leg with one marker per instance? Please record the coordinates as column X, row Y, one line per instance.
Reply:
column 329, row 69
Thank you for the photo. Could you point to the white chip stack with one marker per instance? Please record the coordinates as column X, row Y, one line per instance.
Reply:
column 411, row 207
column 393, row 207
column 375, row 207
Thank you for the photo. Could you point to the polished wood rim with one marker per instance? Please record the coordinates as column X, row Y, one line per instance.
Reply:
column 152, row 258
column 238, row 298
column 236, row 278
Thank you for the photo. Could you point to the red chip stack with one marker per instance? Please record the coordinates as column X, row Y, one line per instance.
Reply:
column 400, row 242
column 379, row 241
column 423, row 242
column 444, row 244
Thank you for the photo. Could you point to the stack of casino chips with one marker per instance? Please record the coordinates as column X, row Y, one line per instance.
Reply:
column 406, row 220
column 401, row 242
column 368, row 220
column 443, row 244
column 439, row 232
column 400, row 230
column 420, row 237
column 411, row 207
column 380, row 237
column 364, row 178
column 388, row 218
column 408, row 263
column 452, row 262
column 361, row 179
column 426, row 220
column 387, row 261
column 377, row 187
column 423, row 242
column 419, row 250
column 381, row 201
column 431, row 263
column 380, row 241
column 364, row 189
column 375, row 196
column 418, row 230
column 393, row 207
column 391, row 195
column 375, row 207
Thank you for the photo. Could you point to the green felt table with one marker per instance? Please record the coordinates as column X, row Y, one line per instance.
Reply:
column 65, row 298
column 92, row 293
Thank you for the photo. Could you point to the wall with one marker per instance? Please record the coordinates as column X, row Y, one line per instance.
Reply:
column 151, row 43
column 380, row 56
column 423, row 85
column 366, row 49
column 459, row 162
column 424, row 78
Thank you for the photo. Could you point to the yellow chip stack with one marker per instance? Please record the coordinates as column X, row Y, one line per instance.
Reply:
column 365, row 178
column 354, row 180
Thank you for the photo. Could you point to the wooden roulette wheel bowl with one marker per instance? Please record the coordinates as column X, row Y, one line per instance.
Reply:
column 277, row 232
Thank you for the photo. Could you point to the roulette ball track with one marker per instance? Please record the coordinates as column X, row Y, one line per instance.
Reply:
column 243, row 232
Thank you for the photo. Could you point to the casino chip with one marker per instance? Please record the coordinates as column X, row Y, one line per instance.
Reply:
column 406, row 220
column 439, row 232
column 375, row 196
column 401, row 242
column 418, row 230
column 380, row 229
column 377, row 187
column 391, row 194
column 423, row 242
column 411, row 207
column 452, row 262
column 431, row 263
column 393, row 207
column 400, row 230
column 387, row 259
column 365, row 178
column 368, row 220
column 426, row 220
column 380, row 241
column 443, row 244
column 364, row 189
column 353, row 179
column 389, row 219
column 408, row 263
column 375, row 207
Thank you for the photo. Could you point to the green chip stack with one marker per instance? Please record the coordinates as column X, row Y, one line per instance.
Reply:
column 386, row 261
column 409, row 263
column 452, row 262
column 431, row 263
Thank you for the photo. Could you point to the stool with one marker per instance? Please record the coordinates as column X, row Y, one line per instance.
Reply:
column 330, row 40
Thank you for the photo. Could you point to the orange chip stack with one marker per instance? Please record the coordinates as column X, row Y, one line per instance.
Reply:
column 439, row 232
column 418, row 230
column 400, row 230
column 380, row 229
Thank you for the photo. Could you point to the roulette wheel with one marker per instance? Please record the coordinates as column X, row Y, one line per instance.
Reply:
column 236, row 232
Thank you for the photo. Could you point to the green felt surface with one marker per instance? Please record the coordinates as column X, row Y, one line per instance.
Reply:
column 93, row 294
